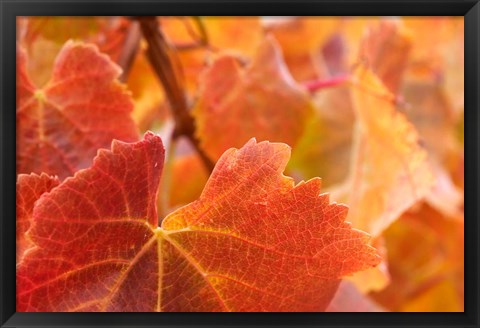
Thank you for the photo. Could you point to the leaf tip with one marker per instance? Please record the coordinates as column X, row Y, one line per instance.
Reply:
column 89, row 52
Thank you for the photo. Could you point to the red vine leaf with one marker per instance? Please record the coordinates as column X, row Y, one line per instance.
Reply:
column 252, row 242
column 81, row 109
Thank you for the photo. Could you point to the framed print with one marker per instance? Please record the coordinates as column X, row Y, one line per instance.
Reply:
column 225, row 163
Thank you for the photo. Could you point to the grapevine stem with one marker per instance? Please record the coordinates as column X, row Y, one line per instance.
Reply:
column 159, row 54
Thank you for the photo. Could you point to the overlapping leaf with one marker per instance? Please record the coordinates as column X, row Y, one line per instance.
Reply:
column 252, row 242
column 328, row 137
column 81, row 109
column 390, row 170
column 29, row 189
column 247, row 244
column 261, row 101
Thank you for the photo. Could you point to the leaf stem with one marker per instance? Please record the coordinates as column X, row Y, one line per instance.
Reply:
column 159, row 54
column 316, row 85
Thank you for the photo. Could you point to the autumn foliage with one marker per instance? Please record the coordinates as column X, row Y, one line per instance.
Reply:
column 239, row 164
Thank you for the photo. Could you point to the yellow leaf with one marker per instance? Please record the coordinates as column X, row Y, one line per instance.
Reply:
column 389, row 170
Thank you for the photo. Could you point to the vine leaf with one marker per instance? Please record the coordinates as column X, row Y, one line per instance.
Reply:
column 390, row 170
column 252, row 242
column 261, row 101
column 82, row 108
column 29, row 189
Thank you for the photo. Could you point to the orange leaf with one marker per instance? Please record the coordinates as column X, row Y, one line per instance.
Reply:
column 261, row 101
column 81, row 109
column 252, row 242
column 29, row 189
column 390, row 170
column 425, row 256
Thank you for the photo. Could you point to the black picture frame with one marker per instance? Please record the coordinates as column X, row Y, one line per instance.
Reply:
column 9, row 9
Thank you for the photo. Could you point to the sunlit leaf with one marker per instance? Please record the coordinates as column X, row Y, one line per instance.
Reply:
column 372, row 105
column 104, row 250
column 61, row 125
column 390, row 170
column 29, row 189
